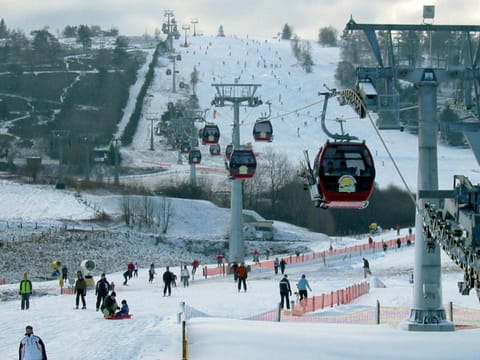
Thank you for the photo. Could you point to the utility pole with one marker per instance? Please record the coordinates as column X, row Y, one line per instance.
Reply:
column 152, row 118
column 60, row 136
column 236, row 94
column 194, row 22
column 185, row 28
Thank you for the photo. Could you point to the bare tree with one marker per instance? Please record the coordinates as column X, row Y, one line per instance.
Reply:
column 164, row 213
column 277, row 172
column 147, row 211
column 127, row 210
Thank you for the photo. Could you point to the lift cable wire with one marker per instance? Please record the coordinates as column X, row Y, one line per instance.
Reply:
column 392, row 160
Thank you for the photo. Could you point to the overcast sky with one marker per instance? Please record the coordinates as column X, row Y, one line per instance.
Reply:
column 263, row 18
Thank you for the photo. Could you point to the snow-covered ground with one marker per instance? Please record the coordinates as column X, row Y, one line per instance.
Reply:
column 153, row 332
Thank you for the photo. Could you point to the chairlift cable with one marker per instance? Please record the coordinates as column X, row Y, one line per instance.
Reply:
column 410, row 194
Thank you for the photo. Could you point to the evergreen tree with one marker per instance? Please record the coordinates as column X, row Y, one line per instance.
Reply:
column 84, row 36
column 287, row 32
column 3, row 29
column 221, row 33
column 70, row 31
column 328, row 36
column 45, row 44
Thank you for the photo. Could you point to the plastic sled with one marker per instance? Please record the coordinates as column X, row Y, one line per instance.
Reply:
column 116, row 317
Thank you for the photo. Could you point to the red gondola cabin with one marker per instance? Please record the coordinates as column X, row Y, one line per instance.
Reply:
column 263, row 130
column 242, row 163
column 210, row 134
column 345, row 175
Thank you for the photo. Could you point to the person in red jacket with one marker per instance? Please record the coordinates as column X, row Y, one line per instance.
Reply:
column 195, row 265
column 242, row 273
column 219, row 259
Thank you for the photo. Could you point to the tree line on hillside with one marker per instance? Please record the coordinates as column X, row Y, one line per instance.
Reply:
column 50, row 85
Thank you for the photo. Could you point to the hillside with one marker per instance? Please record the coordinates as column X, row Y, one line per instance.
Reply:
column 296, row 107
column 40, row 224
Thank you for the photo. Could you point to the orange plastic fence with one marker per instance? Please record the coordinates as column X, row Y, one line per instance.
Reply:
column 315, row 303
column 3, row 281
column 216, row 270
column 462, row 317
column 65, row 291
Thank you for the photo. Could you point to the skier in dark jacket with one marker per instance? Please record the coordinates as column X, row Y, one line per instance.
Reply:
column 167, row 280
column 110, row 304
column 151, row 273
column 366, row 268
column 285, row 291
column 80, row 289
column 282, row 265
column 64, row 273
column 101, row 290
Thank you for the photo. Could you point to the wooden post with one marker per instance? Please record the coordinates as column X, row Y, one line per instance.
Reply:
column 377, row 317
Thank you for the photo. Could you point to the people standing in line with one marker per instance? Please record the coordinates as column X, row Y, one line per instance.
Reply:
column 234, row 269
column 366, row 268
column 110, row 304
column 302, row 287
column 64, row 273
column 31, row 346
column 135, row 269
column 26, row 290
column 151, row 273
column 282, row 265
column 276, row 264
column 195, row 265
column 242, row 273
column 285, row 292
column 167, row 280
column 101, row 290
column 80, row 290
column 184, row 276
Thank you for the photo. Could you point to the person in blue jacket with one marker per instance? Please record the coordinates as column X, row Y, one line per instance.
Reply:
column 124, row 309
column 302, row 287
